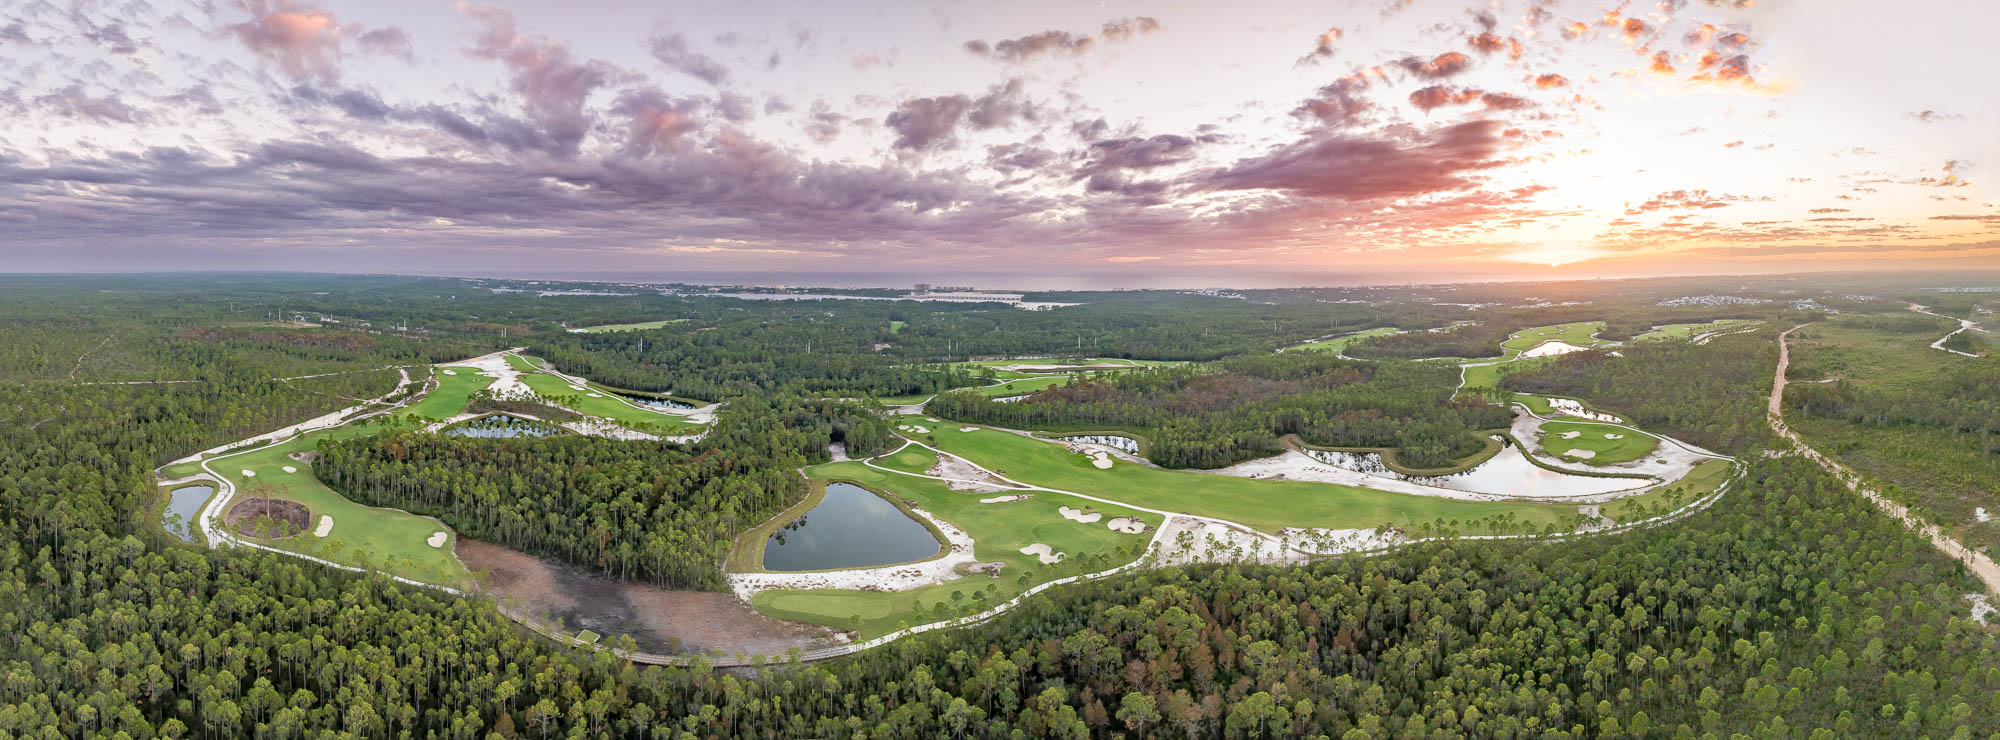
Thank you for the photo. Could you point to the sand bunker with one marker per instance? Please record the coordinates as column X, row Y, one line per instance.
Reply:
column 1102, row 460
column 1581, row 454
column 968, row 429
column 1077, row 515
column 290, row 469
column 1614, row 436
column 451, row 372
column 1005, row 499
column 596, row 395
column 247, row 473
column 325, row 526
column 1570, row 435
column 1980, row 514
column 1046, row 554
column 1127, row 525
column 437, row 539
column 1551, row 349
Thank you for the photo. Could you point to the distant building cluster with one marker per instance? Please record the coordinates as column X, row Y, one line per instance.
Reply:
column 1711, row 300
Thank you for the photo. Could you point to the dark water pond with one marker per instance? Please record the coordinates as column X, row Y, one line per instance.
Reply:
column 660, row 403
column 502, row 426
column 851, row 528
column 183, row 507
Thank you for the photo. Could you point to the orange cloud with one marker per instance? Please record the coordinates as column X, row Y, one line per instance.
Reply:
column 1551, row 80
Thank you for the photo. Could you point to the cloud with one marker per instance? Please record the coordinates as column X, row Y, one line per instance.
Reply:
column 1358, row 168
column 1438, row 67
column 1026, row 48
column 1551, row 80
column 926, row 124
column 1931, row 116
column 1690, row 199
column 387, row 41
column 302, row 41
column 1135, row 153
column 657, row 121
column 553, row 83
column 73, row 102
column 672, row 50
column 1437, row 96
column 1322, row 48
column 1488, row 43
column 822, row 123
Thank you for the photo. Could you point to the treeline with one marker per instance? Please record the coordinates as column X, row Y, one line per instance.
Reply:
column 1963, row 399
column 1221, row 414
column 1711, row 394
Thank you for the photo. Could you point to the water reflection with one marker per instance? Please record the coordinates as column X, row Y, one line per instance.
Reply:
column 1507, row 473
column 851, row 528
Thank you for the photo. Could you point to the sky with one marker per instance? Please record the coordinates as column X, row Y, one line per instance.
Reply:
column 1143, row 142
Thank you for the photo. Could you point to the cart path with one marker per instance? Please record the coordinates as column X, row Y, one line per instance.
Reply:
column 1980, row 565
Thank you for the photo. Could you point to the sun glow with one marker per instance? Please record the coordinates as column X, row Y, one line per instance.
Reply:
column 1555, row 256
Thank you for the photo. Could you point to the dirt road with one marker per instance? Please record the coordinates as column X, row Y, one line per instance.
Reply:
column 1980, row 565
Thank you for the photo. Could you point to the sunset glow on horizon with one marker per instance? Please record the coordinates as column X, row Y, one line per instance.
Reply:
column 1511, row 137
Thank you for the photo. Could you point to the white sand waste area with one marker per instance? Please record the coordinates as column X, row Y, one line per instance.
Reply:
column 1077, row 515
column 1569, row 407
column 1295, row 465
column 325, row 526
column 957, row 551
column 1005, row 499
column 437, row 539
column 1043, row 552
column 1581, row 454
column 591, row 426
column 506, row 380
column 1127, row 525
column 1570, row 435
column 914, row 429
column 1551, row 349
column 1670, row 459
column 290, row 469
column 248, row 473
column 961, row 475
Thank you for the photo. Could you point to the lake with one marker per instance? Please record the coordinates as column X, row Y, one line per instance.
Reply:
column 500, row 426
column 183, row 508
column 851, row 528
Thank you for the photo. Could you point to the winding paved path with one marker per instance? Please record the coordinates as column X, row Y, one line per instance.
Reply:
column 1980, row 565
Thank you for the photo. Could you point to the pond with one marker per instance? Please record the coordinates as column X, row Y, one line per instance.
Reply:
column 502, row 426
column 851, row 528
column 660, row 403
column 183, row 508
column 1507, row 473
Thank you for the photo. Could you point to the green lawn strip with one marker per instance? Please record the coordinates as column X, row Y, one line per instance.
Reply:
column 1266, row 505
column 1631, row 445
column 182, row 470
column 391, row 540
column 450, row 396
column 522, row 364
column 896, row 327
column 999, row 531
column 1339, row 343
column 604, row 405
column 631, row 327
column 1024, row 385
column 1701, row 481
column 1688, row 331
column 911, row 459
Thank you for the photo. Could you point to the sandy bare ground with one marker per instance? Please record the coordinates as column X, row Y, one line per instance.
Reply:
column 964, row 476
column 1551, row 349
column 1980, row 565
column 659, row 620
column 1295, row 465
column 958, row 551
column 506, row 380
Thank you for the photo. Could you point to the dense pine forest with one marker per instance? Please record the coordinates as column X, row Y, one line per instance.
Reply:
column 1791, row 608
column 1216, row 415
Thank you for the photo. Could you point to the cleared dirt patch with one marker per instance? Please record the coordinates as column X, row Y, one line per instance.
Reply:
column 659, row 620
column 284, row 517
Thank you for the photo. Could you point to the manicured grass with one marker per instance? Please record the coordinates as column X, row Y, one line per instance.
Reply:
column 605, row 404
column 182, row 470
column 1689, row 331
column 1337, row 344
column 999, row 531
column 1629, row 445
column 896, row 327
column 911, row 459
column 631, row 327
column 1264, row 504
column 383, row 539
column 1703, row 480
column 451, row 395
column 1578, row 333
column 1488, row 375
column 1023, row 385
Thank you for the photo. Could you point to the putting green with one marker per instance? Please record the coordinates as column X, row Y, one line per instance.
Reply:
column 1605, row 443
column 1267, row 505
column 1577, row 333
